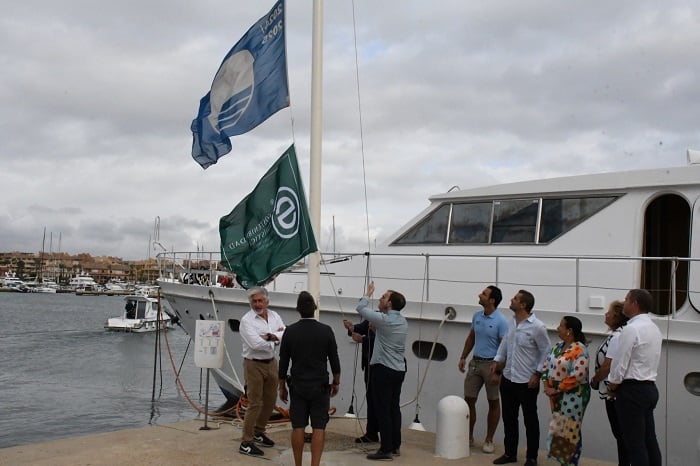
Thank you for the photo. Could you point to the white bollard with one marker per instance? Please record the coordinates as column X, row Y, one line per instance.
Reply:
column 452, row 436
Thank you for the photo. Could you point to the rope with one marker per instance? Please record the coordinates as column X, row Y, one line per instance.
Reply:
column 178, row 380
column 359, row 110
column 238, row 408
column 419, row 385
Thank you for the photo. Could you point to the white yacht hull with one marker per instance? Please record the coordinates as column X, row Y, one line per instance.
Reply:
column 576, row 243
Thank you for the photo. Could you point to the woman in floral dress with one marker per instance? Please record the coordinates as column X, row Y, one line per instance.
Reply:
column 565, row 379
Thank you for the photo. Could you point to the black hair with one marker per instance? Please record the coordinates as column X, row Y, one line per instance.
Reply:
column 496, row 295
column 306, row 304
column 574, row 324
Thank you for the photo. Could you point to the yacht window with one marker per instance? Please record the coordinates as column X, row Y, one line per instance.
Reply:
column 515, row 221
column 692, row 383
column 471, row 223
column 421, row 350
column 561, row 215
column 432, row 231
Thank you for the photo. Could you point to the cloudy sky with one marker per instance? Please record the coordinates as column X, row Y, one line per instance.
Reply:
column 97, row 100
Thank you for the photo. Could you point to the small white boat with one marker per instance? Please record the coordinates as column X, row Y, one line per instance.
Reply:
column 45, row 288
column 89, row 290
column 116, row 286
column 140, row 315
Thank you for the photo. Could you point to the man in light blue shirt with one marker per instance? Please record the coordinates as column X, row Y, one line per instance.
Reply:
column 519, row 360
column 387, row 366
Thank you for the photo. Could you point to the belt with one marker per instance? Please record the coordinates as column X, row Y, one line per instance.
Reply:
column 637, row 382
column 264, row 361
column 477, row 358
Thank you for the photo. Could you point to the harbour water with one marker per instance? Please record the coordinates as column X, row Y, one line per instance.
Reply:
column 62, row 375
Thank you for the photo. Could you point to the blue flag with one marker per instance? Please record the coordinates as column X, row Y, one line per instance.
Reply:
column 250, row 86
column 270, row 229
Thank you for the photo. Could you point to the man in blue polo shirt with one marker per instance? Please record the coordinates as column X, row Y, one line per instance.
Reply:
column 489, row 327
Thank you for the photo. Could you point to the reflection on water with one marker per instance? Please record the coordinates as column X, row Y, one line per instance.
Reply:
column 63, row 375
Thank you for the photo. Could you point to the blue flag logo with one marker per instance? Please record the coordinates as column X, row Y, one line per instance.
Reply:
column 249, row 87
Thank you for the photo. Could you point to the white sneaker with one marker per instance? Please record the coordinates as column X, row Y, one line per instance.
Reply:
column 488, row 447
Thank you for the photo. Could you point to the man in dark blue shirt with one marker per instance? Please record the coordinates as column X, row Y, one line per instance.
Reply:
column 310, row 345
column 364, row 333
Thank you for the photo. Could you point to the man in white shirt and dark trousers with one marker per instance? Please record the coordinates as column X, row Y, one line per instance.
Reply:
column 519, row 362
column 632, row 380
column 261, row 332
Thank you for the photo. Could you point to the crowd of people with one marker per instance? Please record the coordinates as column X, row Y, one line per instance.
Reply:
column 510, row 359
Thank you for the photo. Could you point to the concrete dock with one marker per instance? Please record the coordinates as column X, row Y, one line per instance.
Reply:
column 186, row 444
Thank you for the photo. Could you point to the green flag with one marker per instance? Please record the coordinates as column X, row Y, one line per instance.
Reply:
column 270, row 229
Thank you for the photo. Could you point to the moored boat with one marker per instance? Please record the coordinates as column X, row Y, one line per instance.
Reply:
column 10, row 282
column 89, row 290
column 83, row 281
column 117, row 287
column 141, row 314
column 576, row 243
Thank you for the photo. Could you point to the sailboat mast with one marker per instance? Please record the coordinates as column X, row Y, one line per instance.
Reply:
column 40, row 278
column 314, row 271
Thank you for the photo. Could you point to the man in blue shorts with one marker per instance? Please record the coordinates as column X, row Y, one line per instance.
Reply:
column 311, row 346
column 489, row 327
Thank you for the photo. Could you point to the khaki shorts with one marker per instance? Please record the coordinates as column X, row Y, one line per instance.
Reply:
column 479, row 374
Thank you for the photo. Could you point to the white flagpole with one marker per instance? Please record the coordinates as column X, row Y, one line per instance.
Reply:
column 314, row 272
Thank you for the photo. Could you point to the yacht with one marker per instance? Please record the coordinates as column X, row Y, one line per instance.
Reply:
column 577, row 243
column 82, row 280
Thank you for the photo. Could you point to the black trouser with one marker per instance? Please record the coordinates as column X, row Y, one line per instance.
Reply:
column 622, row 458
column 386, row 391
column 513, row 397
column 634, row 403
column 372, row 426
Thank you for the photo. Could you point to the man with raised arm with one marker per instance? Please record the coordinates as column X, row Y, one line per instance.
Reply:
column 363, row 333
column 387, row 366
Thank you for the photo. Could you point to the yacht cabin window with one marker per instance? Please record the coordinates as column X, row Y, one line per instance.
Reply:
column 515, row 221
column 432, row 231
column 504, row 221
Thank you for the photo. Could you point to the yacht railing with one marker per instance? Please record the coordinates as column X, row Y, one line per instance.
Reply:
column 205, row 268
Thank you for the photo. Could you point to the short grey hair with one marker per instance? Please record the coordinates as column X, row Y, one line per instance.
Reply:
column 256, row 290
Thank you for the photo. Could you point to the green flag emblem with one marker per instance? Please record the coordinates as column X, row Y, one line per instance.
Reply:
column 269, row 230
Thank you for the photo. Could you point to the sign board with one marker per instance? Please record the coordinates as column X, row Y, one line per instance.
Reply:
column 209, row 344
